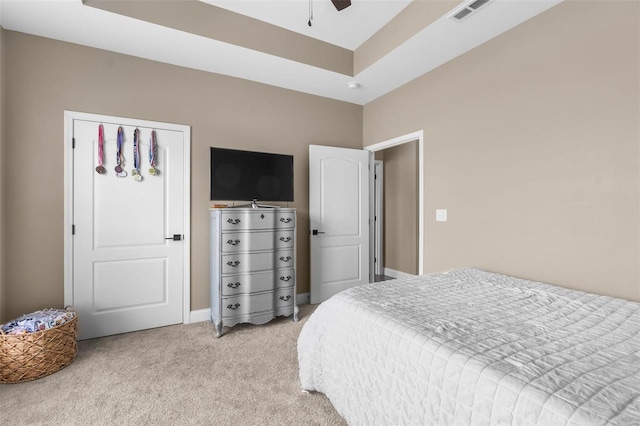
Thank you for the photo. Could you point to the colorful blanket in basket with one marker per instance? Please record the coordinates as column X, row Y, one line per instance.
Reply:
column 37, row 321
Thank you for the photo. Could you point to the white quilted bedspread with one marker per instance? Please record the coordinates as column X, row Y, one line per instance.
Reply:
column 469, row 347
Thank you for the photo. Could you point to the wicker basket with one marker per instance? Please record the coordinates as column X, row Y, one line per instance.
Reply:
column 29, row 356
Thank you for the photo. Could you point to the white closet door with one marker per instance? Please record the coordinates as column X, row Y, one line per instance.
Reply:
column 127, row 275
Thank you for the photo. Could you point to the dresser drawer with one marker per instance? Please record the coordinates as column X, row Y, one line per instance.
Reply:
column 285, row 220
column 246, row 304
column 257, row 220
column 249, row 262
column 233, row 242
column 253, row 283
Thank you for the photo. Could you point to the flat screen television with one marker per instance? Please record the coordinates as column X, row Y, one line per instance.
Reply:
column 250, row 176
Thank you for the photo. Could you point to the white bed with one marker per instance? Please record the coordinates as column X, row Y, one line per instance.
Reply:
column 469, row 347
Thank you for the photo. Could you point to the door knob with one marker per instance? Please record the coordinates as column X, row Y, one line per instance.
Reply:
column 316, row 232
column 176, row 237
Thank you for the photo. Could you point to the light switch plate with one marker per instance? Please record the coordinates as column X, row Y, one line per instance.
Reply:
column 441, row 215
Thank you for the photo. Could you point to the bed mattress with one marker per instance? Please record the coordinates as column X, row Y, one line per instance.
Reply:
column 470, row 347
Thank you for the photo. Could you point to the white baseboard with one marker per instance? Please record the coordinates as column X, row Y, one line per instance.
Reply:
column 396, row 274
column 205, row 314
column 200, row 315
column 302, row 298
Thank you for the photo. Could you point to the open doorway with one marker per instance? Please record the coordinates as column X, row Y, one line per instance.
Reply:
column 344, row 168
column 397, row 231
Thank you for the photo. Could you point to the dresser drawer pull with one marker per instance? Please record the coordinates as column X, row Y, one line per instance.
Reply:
column 234, row 285
column 234, row 263
column 285, row 279
column 285, row 219
column 285, row 239
column 233, row 307
column 233, row 221
column 285, row 298
column 233, row 242
column 285, row 259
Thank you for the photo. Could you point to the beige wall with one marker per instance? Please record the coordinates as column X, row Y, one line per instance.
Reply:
column 532, row 144
column 46, row 77
column 401, row 208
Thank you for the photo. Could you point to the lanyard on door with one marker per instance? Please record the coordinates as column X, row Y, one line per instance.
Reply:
column 100, row 169
column 136, row 154
column 153, row 154
column 120, row 172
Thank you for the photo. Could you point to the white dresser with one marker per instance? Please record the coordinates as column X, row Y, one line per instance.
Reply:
column 253, row 265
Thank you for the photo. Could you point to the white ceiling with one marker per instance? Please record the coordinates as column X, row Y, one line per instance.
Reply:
column 445, row 39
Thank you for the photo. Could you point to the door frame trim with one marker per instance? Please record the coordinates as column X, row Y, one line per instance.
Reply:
column 378, row 217
column 69, row 117
column 410, row 137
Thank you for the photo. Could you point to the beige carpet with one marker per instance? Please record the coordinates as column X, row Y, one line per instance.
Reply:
column 178, row 375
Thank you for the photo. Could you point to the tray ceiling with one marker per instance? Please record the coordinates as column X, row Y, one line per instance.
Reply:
column 136, row 29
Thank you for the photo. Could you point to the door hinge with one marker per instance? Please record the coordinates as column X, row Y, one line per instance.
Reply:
column 73, row 143
column 73, row 230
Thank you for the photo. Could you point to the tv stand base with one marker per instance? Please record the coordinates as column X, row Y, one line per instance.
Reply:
column 254, row 205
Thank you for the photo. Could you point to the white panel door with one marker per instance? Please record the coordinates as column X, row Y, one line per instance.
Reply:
column 339, row 219
column 127, row 275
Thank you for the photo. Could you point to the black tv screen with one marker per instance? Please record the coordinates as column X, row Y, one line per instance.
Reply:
column 246, row 175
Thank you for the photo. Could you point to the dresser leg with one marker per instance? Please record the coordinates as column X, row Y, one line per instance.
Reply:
column 218, row 327
column 295, row 313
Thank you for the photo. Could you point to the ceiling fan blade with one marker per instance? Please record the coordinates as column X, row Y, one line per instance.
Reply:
column 341, row 4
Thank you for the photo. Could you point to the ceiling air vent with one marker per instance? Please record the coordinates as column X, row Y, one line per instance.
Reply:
column 468, row 9
column 477, row 4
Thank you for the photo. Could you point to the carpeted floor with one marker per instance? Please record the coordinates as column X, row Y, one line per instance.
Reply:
column 177, row 375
